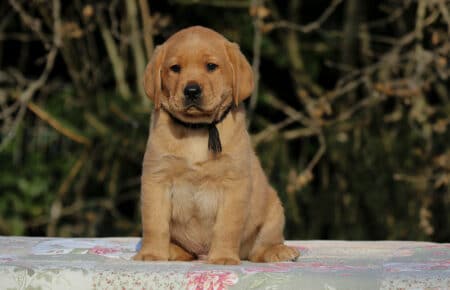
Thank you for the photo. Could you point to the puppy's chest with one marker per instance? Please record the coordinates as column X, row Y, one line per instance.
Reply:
column 194, row 202
column 196, row 179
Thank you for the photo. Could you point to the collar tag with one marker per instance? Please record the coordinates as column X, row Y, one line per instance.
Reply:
column 214, row 144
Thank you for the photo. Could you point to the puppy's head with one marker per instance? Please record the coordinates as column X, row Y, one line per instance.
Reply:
column 196, row 74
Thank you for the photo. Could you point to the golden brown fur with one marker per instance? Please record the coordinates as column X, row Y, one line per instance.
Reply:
column 196, row 202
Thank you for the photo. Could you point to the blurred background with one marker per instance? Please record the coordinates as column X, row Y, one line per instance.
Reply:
column 350, row 119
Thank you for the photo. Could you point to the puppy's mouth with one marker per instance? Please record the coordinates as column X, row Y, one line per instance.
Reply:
column 194, row 110
column 194, row 114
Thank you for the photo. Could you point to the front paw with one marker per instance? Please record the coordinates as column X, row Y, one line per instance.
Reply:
column 224, row 261
column 150, row 256
column 279, row 253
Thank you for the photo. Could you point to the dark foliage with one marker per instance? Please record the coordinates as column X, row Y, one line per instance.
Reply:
column 351, row 117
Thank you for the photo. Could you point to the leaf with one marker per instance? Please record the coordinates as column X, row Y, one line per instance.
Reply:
column 17, row 226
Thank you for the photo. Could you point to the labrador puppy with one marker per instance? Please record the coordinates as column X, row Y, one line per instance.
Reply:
column 204, row 192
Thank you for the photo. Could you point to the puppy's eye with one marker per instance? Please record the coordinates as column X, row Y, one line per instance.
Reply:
column 175, row 68
column 211, row 66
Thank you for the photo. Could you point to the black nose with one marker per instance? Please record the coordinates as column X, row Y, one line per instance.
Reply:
column 192, row 92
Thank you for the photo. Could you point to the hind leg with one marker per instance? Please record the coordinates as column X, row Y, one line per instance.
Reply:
column 268, row 245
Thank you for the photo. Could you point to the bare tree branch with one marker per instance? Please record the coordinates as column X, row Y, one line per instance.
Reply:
column 136, row 44
column 310, row 27
column 116, row 61
column 26, row 96
column 257, row 38
column 148, row 27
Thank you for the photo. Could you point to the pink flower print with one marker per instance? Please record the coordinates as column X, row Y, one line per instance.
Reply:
column 210, row 280
column 439, row 253
column 438, row 246
column 97, row 250
column 288, row 266
column 417, row 267
column 6, row 259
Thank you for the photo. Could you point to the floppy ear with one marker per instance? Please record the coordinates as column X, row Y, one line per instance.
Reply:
column 152, row 76
column 242, row 73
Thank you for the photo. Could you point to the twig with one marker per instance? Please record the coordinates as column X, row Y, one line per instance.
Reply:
column 445, row 14
column 57, row 36
column 95, row 123
column 147, row 27
column 355, row 78
column 136, row 45
column 114, row 57
column 37, row 84
column 299, row 133
column 298, row 73
column 75, row 208
column 12, row 132
column 32, row 23
column 421, row 7
column 364, row 103
column 217, row 3
column 310, row 27
column 56, row 209
column 8, row 111
column 23, row 37
column 257, row 38
column 349, row 44
column 421, row 10
column 320, row 152
column 25, row 97
column 393, row 15
column 271, row 131
column 291, row 112
column 45, row 116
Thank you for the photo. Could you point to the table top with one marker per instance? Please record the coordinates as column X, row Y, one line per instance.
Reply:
column 93, row 263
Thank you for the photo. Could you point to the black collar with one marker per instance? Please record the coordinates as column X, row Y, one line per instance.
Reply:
column 214, row 144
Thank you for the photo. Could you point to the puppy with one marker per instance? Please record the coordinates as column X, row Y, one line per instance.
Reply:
column 203, row 189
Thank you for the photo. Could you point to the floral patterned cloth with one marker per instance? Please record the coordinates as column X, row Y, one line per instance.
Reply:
column 56, row 263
